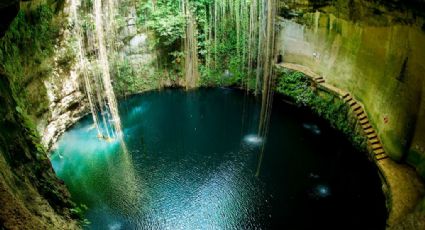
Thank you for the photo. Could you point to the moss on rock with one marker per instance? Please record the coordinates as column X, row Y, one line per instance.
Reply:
column 32, row 197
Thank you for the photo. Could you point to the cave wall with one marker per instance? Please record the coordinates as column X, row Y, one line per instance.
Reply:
column 63, row 87
column 37, row 56
column 374, row 50
column 31, row 196
column 137, row 69
column 60, row 93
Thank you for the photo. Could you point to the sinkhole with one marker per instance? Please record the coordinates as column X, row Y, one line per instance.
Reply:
column 193, row 162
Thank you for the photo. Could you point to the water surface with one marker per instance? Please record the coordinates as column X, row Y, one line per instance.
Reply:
column 192, row 164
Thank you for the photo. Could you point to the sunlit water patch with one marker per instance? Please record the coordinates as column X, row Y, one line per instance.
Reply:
column 312, row 128
column 192, row 160
column 253, row 139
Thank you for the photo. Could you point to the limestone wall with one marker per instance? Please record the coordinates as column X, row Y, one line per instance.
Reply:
column 63, row 90
column 380, row 59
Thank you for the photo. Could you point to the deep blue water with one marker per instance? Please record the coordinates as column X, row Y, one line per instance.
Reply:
column 192, row 164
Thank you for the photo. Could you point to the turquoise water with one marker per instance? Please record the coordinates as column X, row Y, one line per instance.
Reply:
column 192, row 162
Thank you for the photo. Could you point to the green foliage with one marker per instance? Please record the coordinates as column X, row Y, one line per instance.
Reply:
column 28, row 42
column 165, row 18
column 218, row 77
column 167, row 22
column 87, row 23
column 200, row 9
column 78, row 212
column 298, row 87
column 226, row 52
column 67, row 56
column 26, row 51
column 124, row 77
column 229, row 50
column 127, row 80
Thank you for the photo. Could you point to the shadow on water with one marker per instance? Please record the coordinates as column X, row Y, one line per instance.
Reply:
column 192, row 163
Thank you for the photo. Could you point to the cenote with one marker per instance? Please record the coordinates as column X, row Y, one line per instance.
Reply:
column 193, row 163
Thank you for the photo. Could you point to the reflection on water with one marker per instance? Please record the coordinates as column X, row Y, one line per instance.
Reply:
column 253, row 139
column 312, row 128
column 191, row 164
column 321, row 191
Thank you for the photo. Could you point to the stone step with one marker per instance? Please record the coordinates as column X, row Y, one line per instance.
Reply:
column 349, row 98
column 383, row 153
column 369, row 130
column 352, row 103
column 374, row 141
column 381, row 157
column 361, row 116
column 364, row 121
column 359, row 112
column 356, row 107
column 366, row 126
column 379, row 151
column 371, row 136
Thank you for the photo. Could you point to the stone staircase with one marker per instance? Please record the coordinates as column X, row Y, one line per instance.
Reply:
column 374, row 142
column 373, row 139
column 319, row 80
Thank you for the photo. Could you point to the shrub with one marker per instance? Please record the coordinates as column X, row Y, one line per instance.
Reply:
column 298, row 87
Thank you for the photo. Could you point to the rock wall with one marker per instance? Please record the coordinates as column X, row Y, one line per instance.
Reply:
column 67, row 101
column 372, row 50
column 134, row 43
column 137, row 58
column 56, row 98
column 67, row 104
column 133, row 69
column 31, row 196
